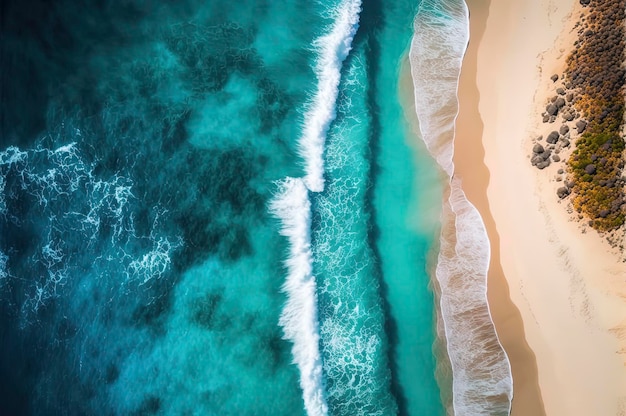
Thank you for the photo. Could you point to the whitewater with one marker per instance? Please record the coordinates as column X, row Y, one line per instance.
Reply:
column 481, row 374
column 292, row 206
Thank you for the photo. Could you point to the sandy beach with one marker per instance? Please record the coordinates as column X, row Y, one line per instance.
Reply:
column 557, row 290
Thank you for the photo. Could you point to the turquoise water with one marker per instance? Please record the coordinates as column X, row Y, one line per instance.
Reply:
column 208, row 207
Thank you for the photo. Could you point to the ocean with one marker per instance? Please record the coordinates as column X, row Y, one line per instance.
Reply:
column 221, row 208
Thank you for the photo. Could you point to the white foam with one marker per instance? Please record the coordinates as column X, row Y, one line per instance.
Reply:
column 333, row 48
column 437, row 49
column 59, row 180
column 482, row 381
column 4, row 272
column 299, row 318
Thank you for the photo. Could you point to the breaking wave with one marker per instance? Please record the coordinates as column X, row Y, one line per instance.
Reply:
column 333, row 48
column 292, row 205
column 299, row 316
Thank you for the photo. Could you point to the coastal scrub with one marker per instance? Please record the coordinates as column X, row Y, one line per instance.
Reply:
column 595, row 72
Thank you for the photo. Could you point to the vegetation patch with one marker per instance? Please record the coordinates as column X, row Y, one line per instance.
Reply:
column 595, row 72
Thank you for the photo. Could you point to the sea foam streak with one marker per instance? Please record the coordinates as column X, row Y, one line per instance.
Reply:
column 482, row 382
column 333, row 48
column 299, row 316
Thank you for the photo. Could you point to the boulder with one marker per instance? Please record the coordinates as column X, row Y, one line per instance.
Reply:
column 535, row 160
column 553, row 137
column 552, row 109
column 562, row 192
column 564, row 129
column 581, row 125
column 560, row 102
column 544, row 164
column 569, row 97
column 560, row 171
column 560, row 91
column 590, row 169
column 546, row 155
column 555, row 77
column 546, row 118
column 565, row 142
column 556, row 158
column 604, row 213
column 568, row 116
column 538, row 148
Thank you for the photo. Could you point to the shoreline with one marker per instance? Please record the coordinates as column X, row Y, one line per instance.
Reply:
column 556, row 295
column 470, row 167
column 463, row 257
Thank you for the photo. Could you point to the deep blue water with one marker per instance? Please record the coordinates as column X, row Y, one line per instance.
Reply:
column 142, row 267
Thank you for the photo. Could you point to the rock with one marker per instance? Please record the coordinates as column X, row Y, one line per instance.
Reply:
column 560, row 102
column 553, row 137
column 565, row 142
column 564, row 129
column 546, row 155
column 546, row 118
column 568, row 116
column 604, row 213
column 552, row 109
column 539, row 138
column 535, row 160
column 558, row 178
column 562, row 192
column 590, row 169
column 581, row 125
column 560, row 171
column 560, row 91
column 585, row 2
column 569, row 97
column 538, row 148
column 555, row 77
column 556, row 158
column 544, row 164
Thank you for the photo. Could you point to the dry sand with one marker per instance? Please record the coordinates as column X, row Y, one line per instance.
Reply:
column 557, row 294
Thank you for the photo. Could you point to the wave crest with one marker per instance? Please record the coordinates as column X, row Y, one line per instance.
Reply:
column 299, row 316
column 333, row 48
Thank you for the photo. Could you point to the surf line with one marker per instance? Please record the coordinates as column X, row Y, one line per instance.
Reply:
column 292, row 206
column 482, row 383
